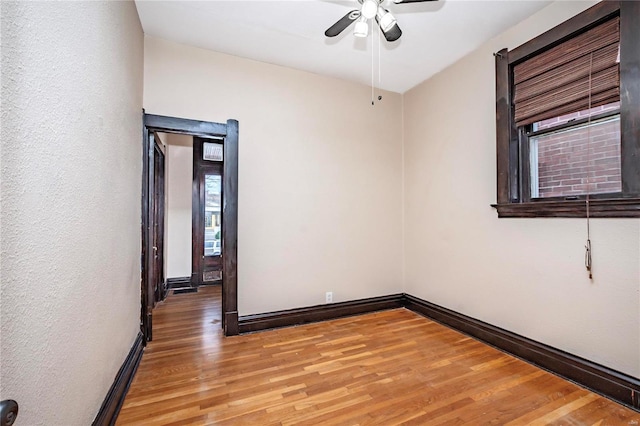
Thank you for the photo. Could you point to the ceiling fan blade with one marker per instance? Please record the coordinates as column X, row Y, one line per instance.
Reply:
column 410, row 1
column 342, row 23
column 393, row 34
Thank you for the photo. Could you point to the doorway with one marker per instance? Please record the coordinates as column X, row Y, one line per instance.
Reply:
column 226, row 136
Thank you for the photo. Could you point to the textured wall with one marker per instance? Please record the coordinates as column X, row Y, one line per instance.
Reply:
column 179, row 178
column 319, row 173
column 525, row 275
column 71, row 176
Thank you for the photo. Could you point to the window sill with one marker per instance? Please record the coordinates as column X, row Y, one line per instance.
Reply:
column 619, row 207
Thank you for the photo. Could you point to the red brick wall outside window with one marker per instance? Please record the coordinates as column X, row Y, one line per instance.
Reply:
column 577, row 160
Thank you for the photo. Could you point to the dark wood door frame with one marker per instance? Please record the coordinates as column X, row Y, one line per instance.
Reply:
column 146, row 265
column 228, row 133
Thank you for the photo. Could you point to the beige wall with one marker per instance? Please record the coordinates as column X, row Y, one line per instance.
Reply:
column 71, row 175
column 179, row 179
column 319, row 179
column 525, row 275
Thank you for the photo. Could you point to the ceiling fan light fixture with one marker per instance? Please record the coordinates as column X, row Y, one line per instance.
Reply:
column 369, row 8
column 385, row 19
column 361, row 28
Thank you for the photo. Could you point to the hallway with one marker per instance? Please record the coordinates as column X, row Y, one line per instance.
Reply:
column 383, row 368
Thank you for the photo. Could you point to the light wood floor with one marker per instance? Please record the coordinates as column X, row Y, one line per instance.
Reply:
column 386, row 368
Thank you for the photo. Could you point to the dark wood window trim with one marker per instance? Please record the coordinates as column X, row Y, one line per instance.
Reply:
column 510, row 179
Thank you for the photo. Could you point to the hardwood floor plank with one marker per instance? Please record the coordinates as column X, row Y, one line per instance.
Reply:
column 385, row 368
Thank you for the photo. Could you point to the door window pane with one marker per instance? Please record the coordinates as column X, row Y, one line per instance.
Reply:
column 212, row 215
column 212, row 151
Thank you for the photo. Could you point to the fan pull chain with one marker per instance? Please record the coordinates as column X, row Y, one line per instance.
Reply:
column 379, row 37
column 587, row 254
column 372, row 55
column 379, row 56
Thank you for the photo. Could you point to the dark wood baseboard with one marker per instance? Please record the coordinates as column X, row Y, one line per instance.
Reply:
column 180, row 282
column 185, row 290
column 115, row 397
column 165, row 290
column 258, row 322
column 612, row 384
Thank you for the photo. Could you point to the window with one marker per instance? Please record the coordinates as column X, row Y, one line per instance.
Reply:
column 212, row 151
column 569, row 159
column 568, row 118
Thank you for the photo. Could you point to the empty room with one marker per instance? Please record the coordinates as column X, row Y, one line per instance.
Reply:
column 320, row 212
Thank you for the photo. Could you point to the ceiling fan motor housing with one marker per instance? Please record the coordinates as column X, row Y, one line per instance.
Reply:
column 369, row 8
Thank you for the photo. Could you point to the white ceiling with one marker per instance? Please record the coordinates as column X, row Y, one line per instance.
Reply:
column 291, row 33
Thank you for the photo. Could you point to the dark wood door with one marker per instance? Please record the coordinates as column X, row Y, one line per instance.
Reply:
column 207, row 212
column 152, row 230
column 158, row 223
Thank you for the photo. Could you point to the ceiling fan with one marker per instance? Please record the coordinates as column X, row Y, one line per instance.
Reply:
column 370, row 9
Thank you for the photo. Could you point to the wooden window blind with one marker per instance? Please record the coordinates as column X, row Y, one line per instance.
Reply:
column 556, row 81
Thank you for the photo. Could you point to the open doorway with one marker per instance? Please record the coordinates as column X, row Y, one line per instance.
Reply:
column 179, row 179
column 194, row 189
column 224, row 261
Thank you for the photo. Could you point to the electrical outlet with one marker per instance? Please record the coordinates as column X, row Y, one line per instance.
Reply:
column 328, row 297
